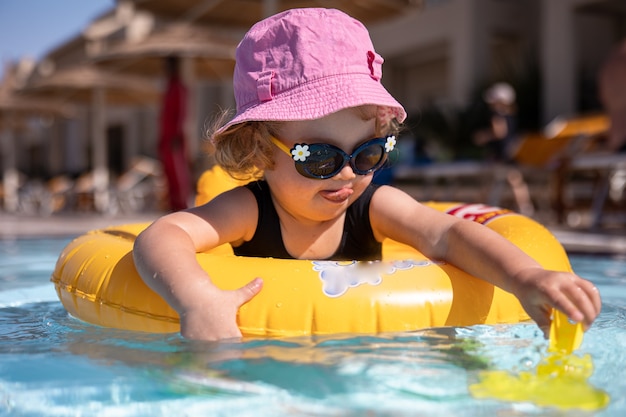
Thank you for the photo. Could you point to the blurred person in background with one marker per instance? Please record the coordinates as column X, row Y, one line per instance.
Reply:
column 500, row 138
column 502, row 130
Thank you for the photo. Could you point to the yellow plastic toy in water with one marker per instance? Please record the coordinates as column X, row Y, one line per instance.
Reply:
column 565, row 337
column 559, row 380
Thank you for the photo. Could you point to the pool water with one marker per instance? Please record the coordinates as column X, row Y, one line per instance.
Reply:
column 54, row 365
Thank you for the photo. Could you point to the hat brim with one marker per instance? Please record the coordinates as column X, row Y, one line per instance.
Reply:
column 319, row 98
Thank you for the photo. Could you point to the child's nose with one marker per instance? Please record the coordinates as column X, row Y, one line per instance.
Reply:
column 346, row 173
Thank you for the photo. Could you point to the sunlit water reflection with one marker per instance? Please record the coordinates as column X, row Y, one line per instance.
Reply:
column 54, row 365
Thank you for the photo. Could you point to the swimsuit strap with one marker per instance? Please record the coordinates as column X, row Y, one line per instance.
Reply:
column 358, row 241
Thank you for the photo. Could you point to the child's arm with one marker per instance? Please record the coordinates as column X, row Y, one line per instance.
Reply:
column 485, row 254
column 165, row 256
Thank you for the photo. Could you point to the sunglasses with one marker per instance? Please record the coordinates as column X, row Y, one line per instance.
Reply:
column 321, row 160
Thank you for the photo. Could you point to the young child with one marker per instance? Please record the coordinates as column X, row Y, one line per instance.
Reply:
column 314, row 118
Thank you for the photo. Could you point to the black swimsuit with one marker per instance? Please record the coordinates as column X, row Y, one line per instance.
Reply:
column 357, row 243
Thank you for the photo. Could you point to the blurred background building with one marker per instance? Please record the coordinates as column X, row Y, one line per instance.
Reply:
column 440, row 56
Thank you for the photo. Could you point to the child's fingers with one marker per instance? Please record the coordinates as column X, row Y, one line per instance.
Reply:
column 580, row 301
column 594, row 295
column 248, row 291
column 565, row 303
column 587, row 299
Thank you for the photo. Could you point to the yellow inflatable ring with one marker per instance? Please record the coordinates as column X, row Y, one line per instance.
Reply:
column 96, row 281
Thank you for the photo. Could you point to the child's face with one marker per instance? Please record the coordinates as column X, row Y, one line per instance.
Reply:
column 316, row 199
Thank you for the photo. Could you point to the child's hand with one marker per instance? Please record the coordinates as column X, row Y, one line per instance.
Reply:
column 540, row 290
column 215, row 317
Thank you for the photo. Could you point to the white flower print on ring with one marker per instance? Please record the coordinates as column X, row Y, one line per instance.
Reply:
column 300, row 152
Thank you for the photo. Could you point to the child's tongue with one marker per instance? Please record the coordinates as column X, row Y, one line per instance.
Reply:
column 338, row 195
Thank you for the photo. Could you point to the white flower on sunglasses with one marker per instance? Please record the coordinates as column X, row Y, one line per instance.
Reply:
column 390, row 144
column 300, row 152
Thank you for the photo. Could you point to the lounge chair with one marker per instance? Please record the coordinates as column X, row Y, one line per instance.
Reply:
column 565, row 150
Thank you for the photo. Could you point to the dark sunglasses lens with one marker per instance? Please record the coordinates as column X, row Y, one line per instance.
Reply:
column 323, row 162
column 369, row 158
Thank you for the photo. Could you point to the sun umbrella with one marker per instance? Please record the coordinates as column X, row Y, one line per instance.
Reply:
column 211, row 51
column 244, row 13
column 80, row 83
column 12, row 102
column 98, row 88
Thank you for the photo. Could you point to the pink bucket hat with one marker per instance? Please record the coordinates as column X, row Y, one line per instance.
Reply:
column 304, row 64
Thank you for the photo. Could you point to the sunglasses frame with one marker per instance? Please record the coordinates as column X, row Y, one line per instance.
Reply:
column 301, row 151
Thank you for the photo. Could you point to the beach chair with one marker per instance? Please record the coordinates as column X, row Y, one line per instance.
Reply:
column 537, row 181
column 141, row 187
column 607, row 174
column 83, row 193
column 558, row 153
column 538, row 159
column 41, row 197
column 539, row 175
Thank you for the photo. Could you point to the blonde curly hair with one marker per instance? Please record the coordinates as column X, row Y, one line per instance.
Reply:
column 245, row 150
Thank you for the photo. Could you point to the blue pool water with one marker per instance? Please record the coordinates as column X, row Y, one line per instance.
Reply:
column 54, row 365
